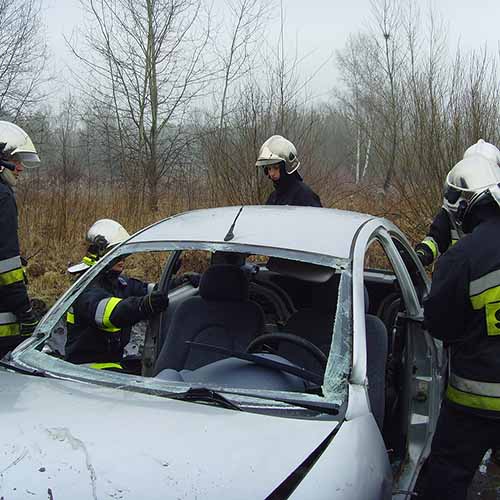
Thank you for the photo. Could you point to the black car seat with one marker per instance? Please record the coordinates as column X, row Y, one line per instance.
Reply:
column 313, row 323
column 221, row 315
column 376, row 349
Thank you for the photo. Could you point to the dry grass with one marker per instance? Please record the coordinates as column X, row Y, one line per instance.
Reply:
column 53, row 228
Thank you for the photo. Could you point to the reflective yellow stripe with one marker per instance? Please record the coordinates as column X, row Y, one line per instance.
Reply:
column 472, row 400
column 10, row 277
column 10, row 329
column 489, row 300
column 453, row 242
column 103, row 366
column 70, row 318
column 492, row 295
column 108, row 310
column 432, row 245
column 493, row 318
column 89, row 261
column 470, row 386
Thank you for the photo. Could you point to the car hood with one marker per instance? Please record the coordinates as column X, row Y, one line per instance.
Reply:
column 63, row 439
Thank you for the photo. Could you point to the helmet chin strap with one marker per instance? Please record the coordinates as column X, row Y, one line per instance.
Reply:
column 7, row 176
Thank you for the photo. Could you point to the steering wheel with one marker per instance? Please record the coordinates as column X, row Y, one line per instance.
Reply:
column 272, row 338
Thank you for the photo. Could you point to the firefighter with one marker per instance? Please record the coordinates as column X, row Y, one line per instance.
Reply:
column 17, row 320
column 100, row 321
column 443, row 231
column 463, row 310
column 278, row 158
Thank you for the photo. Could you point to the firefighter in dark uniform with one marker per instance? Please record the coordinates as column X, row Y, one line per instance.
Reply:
column 444, row 231
column 463, row 310
column 100, row 320
column 278, row 158
column 17, row 320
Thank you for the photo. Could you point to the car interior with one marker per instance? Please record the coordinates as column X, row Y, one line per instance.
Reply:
column 284, row 310
column 259, row 322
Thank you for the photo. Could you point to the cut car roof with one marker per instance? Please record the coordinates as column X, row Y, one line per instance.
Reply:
column 305, row 229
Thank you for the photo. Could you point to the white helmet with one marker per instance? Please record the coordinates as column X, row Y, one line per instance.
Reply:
column 470, row 181
column 486, row 149
column 277, row 149
column 102, row 236
column 15, row 144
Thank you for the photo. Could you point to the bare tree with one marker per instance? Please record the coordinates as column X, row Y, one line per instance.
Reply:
column 146, row 60
column 416, row 108
column 23, row 55
column 245, row 24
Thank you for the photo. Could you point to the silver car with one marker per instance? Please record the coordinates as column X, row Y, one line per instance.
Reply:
column 298, row 368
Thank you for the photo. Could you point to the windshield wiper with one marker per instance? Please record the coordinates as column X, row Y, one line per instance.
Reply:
column 320, row 406
column 259, row 360
column 203, row 394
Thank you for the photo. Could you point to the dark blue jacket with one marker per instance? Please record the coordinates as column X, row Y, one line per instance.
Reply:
column 14, row 299
column 463, row 310
column 100, row 320
column 291, row 190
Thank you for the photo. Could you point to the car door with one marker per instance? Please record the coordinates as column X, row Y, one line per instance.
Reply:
column 423, row 361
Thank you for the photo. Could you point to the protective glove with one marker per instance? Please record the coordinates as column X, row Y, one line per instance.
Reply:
column 424, row 253
column 27, row 322
column 153, row 303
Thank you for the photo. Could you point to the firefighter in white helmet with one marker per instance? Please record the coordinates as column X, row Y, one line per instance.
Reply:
column 100, row 321
column 444, row 231
column 463, row 310
column 278, row 158
column 17, row 319
column 102, row 236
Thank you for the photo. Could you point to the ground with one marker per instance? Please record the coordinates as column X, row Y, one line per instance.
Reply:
column 486, row 483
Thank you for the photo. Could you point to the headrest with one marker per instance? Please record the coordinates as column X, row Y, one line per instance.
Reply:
column 224, row 282
column 324, row 295
column 235, row 259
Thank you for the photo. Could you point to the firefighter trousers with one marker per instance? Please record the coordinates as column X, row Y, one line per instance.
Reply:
column 460, row 442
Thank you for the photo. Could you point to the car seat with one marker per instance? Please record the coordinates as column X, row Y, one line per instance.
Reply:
column 221, row 315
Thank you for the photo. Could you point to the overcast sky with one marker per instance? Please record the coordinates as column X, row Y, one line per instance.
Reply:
column 319, row 27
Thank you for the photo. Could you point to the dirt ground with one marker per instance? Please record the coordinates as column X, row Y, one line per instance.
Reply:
column 486, row 483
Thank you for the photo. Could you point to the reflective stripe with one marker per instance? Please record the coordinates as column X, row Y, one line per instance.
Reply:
column 103, row 313
column 70, row 316
column 487, row 297
column 89, row 261
column 151, row 287
column 490, row 389
column 485, row 294
column 472, row 400
column 10, row 264
column 484, row 283
column 454, row 236
column 10, row 277
column 7, row 317
column 8, row 330
column 431, row 243
column 8, row 324
column 103, row 366
column 454, row 241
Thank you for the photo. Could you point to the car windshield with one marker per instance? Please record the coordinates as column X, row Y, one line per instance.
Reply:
column 255, row 324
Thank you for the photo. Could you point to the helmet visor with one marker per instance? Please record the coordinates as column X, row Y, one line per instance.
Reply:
column 29, row 160
column 267, row 162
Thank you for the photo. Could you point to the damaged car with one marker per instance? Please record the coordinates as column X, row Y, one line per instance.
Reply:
column 299, row 367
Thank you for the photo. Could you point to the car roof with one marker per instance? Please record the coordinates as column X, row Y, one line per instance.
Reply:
column 322, row 231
